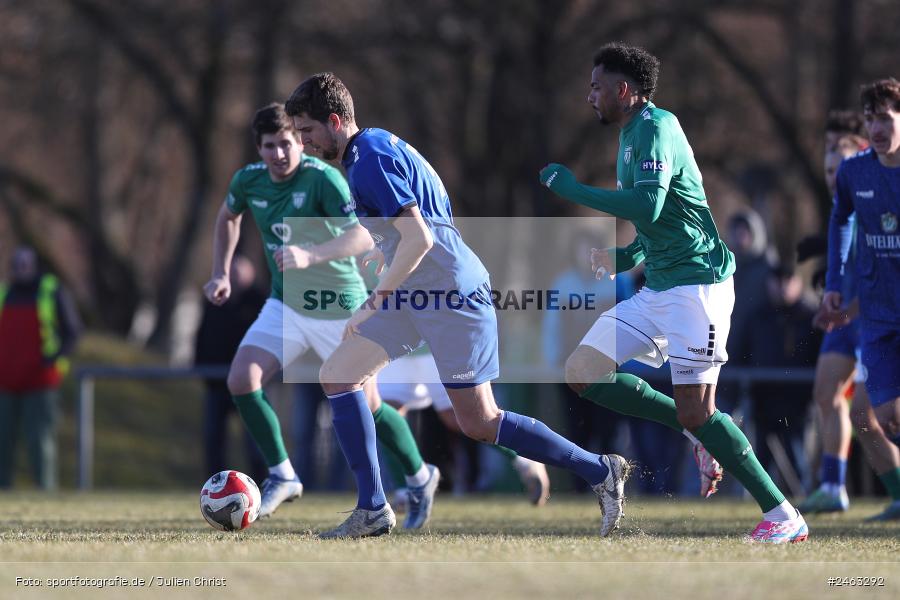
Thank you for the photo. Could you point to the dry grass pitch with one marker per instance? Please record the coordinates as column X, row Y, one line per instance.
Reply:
column 494, row 547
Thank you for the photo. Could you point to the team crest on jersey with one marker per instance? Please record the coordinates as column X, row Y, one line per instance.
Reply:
column 889, row 222
column 299, row 198
column 627, row 156
column 282, row 231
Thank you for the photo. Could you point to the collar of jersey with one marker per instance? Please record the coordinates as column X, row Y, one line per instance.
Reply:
column 637, row 116
column 350, row 143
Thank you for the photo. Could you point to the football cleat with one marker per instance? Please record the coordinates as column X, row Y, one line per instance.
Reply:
column 611, row 492
column 275, row 491
column 824, row 501
column 891, row 513
column 710, row 471
column 781, row 532
column 534, row 477
column 363, row 523
column 420, row 500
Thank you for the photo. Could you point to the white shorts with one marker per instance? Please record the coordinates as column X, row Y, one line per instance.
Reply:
column 285, row 333
column 413, row 381
column 687, row 324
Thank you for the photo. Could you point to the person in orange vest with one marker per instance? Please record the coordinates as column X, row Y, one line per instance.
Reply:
column 38, row 330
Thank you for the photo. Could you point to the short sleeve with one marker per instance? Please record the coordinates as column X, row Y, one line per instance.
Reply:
column 381, row 184
column 654, row 152
column 335, row 199
column 236, row 200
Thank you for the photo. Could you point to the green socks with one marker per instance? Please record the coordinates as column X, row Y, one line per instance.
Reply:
column 632, row 396
column 394, row 468
column 891, row 481
column 263, row 425
column 395, row 436
column 728, row 444
column 723, row 439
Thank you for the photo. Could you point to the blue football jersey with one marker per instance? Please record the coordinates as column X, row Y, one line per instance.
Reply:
column 386, row 175
column 871, row 191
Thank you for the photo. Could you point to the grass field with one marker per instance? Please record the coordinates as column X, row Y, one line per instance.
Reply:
column 482, row 547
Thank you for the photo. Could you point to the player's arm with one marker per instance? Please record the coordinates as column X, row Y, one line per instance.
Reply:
column 354, row 241
column 415, row 242
column 641, row 203
column 611, row 261
column 226, row 234
column 333, row 196
column 653, row 152
column 839, row 237
column 628, row 257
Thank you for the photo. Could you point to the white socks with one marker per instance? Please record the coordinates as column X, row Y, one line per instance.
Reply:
column 284, row 470
column 420, row 478
column 782, row 512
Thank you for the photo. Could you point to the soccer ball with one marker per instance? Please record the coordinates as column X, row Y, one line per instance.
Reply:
column 229, row 501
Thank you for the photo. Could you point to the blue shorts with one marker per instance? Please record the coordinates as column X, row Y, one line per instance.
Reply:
column 881, row 356
column 463, row 339
column 843, row 340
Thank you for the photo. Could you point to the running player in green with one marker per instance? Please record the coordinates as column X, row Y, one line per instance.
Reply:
column 285, row 186
column 684, row 311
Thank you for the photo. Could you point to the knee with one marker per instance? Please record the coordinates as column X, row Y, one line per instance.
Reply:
column 692, row 418
column 328, row 377
column 241, row 381
column 582, row 371
column 828, row 395
column 480, row 428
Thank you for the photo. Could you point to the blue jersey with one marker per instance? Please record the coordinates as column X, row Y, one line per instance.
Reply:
column 387, row 175
column 871, row 191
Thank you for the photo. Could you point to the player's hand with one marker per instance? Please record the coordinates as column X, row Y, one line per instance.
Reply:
column 217, row 290
column 601, row 264
column 558, row 178
column 374, row 255
column 364, row 312
column 831, row 302
column 831, row 314
column 293, row 257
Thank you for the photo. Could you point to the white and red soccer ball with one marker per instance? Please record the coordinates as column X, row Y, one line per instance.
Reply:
column 229, row 501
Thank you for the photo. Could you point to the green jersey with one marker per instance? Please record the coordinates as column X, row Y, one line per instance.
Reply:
column 317, row 193
column 681, row 246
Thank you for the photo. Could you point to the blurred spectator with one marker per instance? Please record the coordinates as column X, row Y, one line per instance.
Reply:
column 779, row 334
column 748, row 239
column 38, row 330
column 220, row 333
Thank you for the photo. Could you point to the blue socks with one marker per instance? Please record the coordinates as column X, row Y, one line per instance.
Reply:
column 532, row 439
column 355, row 430
column 834, row 470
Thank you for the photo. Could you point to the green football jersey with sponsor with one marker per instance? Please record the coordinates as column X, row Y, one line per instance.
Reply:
column 682, row 246
column 311, row 207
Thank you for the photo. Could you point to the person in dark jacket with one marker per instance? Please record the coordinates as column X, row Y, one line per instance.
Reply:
column 779, row 333
column 220, row 333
